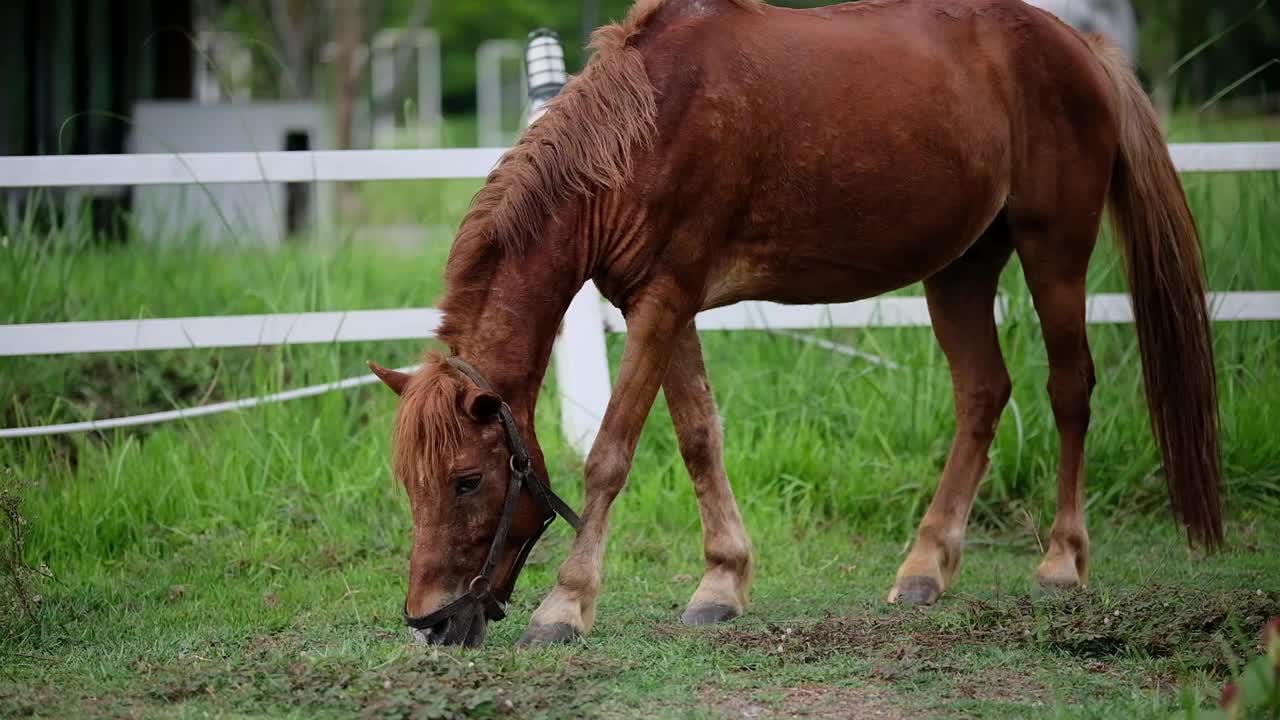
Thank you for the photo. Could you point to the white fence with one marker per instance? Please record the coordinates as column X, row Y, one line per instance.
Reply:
column 581, row 363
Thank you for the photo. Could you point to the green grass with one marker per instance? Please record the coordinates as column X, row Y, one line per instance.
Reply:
column 252, row 564
column 292, row 615
column 1210, row 126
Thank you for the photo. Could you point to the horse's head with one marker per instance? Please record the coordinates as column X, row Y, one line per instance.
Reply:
column 456, row 460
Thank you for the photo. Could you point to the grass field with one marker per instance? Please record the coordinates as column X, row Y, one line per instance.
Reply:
column 252, row 564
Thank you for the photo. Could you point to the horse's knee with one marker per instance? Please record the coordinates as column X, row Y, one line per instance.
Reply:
column 1071, row 382
column 1069, row 395
column 606, row 468
column 979, row 407
column 701, row 446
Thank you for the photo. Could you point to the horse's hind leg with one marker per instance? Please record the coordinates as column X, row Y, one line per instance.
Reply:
column 1055, row 263
column 722, row 594
column 962, row 305
column 1054, row 224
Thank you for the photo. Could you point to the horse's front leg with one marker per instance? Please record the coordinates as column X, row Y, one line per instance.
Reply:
column 652, row 324
column 726, row 581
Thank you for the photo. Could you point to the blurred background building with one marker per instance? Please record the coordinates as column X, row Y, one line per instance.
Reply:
column 72, row 70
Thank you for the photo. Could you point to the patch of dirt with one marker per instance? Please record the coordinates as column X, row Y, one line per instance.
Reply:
column 821, row 703
column 1198, row 625
column 276, row 672
column 1001, row 685
column 47, row 702
column 1186, row 630
column 285, row 672
column 808, row 642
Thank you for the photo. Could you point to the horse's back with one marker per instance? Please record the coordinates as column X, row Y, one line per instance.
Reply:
column 878, row 60
column 863, row 146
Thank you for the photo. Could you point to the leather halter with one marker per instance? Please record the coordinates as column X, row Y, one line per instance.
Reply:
column 480, row 593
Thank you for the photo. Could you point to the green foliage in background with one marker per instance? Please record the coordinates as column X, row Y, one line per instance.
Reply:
column 1170, row 30
column 464, row 25
column 1248, row 39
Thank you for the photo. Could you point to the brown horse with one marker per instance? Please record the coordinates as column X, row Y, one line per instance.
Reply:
column 715, row 151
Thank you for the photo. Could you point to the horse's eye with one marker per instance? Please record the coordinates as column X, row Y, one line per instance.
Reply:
column 468, row 484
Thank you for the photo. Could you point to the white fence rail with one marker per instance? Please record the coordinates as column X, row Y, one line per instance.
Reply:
column 1226, row 157
column 1100, row 309
column 365, row 165
column 239, row 331
column 245, row 167
column 217, row 332
column 581, row 363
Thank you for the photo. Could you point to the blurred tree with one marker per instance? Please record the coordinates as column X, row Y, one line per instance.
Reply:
column 464, row 25
column 294, row 36
column 291, row 33
column 1192, row 50
column 348, row 36
column 1247, row 34
column 300, row 32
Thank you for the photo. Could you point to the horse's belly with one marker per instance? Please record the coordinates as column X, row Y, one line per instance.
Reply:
column 849, row 251
column 828, row 279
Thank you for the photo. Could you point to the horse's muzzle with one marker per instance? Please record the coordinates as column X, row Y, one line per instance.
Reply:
column 465, row 629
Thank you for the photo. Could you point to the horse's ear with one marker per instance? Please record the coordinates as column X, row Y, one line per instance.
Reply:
column 481, row 405
column 394, row 379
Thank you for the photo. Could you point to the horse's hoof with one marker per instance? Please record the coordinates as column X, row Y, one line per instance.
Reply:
column 708, row 614
column 553, row 634
column 915, row 590
column 1057, row 585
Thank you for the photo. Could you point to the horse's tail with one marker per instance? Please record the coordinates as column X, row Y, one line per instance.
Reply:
column 1161, row 248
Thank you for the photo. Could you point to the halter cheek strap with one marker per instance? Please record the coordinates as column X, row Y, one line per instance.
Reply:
column 480, row 594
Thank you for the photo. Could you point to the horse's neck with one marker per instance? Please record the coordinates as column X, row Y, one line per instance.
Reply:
column 508, row 328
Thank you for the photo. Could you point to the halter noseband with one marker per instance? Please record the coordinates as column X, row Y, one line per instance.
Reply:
column 480, row 591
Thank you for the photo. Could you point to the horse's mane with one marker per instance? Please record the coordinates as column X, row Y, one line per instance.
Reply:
column 582, row 144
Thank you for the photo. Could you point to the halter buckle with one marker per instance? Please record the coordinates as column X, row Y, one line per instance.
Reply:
column 519, row 465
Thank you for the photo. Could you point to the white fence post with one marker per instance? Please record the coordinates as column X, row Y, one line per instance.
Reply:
column 427, row 125
column 582, row 370
column 498, row 98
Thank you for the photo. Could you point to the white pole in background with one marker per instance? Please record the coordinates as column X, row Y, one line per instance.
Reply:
column 382, row 67
column 430, row 89
column 582, row 370
column 497, row 98
column 581, row 357
column 427, row 128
